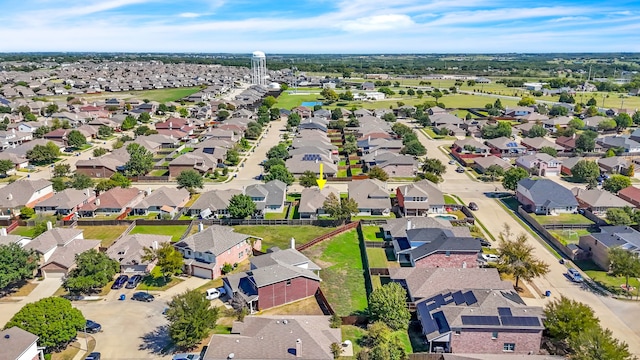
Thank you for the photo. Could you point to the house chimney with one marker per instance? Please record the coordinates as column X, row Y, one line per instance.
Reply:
column 200, row 227
column 49, row 225
column 154, row 245
column 369, row 139
column 97, row 202
column 292, row 243
column 298, row 348
column 408, row 224
column 3, row 231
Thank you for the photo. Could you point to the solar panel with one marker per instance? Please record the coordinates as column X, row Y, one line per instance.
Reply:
column 504, row 311
column 458, row 297
column 520, row 321
column 480, row 320
column 441, row 321
column 470, row 298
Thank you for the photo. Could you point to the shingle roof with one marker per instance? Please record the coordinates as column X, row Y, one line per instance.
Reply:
column 128, row 250
column 284, row 257
column 369, row 194
column 18, row 193
column 545, row 192
column 115, row 198
column 66, row 256
column 631, row 192
column 423, row 188
column 14, row 342
column 165, row 195
column 438, row 240
column 313, row 199
column 67, row 199
column 274, row 192
column 56, row 237
column 215, row 239
column 215, row 199
column 600, row 198
column 620, row 235
column 397, row 227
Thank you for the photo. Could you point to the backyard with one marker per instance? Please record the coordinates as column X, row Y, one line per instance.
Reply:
column 175, row 231
column 381, row 258
column 280, row 235
column 569, row 219
column 569, row 236
column 342, row 273
column 604, row 279
column 358, row 334
column 372, row 233
column 106, row 234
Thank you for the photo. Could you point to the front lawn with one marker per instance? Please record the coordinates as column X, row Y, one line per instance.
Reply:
column 106, row 234
column 342, row 272
column 372, row 233
column 280, row 235
column 449, row 200
column 175, row 231
column 156, row 282
column 562, row 219
column 607, row 281
column 377, row 257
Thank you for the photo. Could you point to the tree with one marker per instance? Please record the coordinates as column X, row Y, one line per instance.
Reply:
column 191, row 318
column 537, row 131
column 6, row 165
column 389, row 117
column 104, row 185
column 75, row 139
column 41, row 131
column 269, row 101
column 636, row 118
column 624, row 263
column 16, row 264
column 52, row 319
column 549, row 151
column 494, row 171
column 623, row 121
column 608, row 124
column 145, row 117
column 566, row 98
column 616, row 182
column 128, row 123
column 347, row 96
column 617, row 216
column 585, row 171
column 565, row 318
column 388, row 304
column 436, row 94
column 329, row 94
column 434, row 166
column 271, row 162
column 498, row 104
column 140, row 160
column 592, row 102
column 279, row 152
column 512, row 177
column 279, row 172
column 599, row 344
column 27, row 212
column 232, row 157
column 516, row 257
column 142, row 130
column 253, row 130
column 190, row 179
column 120, row 180
column 350, row 147
column 169, row 260
column 414, row 147
column 341, row 209
column 558, row 110
column 294, row 119
column 58, row 184
column 308, row 179
column 81, row 181
column 576, row 123
column 592, row 111
column 104, row 132
column 376, row 172
column 241, row 206
column 93, row 270
column 526, row 101
column 97, row 152
column 503, row 128
column 383, row 344
column 43, row 154
column 586, row 141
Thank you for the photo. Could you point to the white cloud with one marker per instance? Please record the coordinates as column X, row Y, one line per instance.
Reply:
column 189, row 15
column 378, row 23
column 569, row 18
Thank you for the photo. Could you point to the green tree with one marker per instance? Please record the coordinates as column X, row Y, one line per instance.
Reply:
column 232, row 157
column 43, row 154
column 599, row 344
column 592, row 111
column 329, row 94
column 537, row 131
column 271, row 162
column 565, row 318
column 414, row 147
column 512, row 177
column 41, row 131
column 294, row 119
column 140, row 160
column 128, row 123
column 341, row 209
column 81, row 181
column 388, row 304
column 16, row 264
column 502, row 129
column 382, row 344
column 105, row 185
column 223, row 114
column 389, row 117
column 498, row 104
column 75, row 139
column 437, row 94
column 624, row 263
column 241, row 206
column 279, row 172
column 27, row 212
column 516, row 257
column 104, row 132
column 434, row 166
column 269, row 101
column 167, row 258
column 592, row 102
column 191, row 318
column 576, row 123
column 526, row 101
column 376, row 172
column 6, row 165
column 586, row 141
column 145, row 117
column 494, row 171
column 190, row 179
column 308, row 179
column 585, row 171
column 623, row 121
column 93, row 271
column 616, row 182
column 142, row 130
column 608, row 124
column 558, row 110
column 58, row 184
column 52, row 319
column 51, row 108
column 350, row 147
column 279, row 152
column 97, row 152
column 549, row 151
column 636, row 118
column 617, row 216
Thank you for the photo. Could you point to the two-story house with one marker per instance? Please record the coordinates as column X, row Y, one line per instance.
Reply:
column 18, row 344
column 420, row 198
column 540, row 164
column 269, row 197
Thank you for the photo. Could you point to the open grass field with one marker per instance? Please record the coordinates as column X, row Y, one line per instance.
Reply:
column 175, row 231
column 159, row 95
column 342, row 272
column 287, row 100
column 281, row 235
column 106, row 234
column 562, row 219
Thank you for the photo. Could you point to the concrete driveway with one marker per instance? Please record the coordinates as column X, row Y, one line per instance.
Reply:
column 45, row 288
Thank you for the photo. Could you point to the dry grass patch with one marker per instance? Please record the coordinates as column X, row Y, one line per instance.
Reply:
column 522, row 288
column 307, row 306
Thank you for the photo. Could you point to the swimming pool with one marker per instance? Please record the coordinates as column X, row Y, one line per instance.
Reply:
column 447, row 217
column 311, row 103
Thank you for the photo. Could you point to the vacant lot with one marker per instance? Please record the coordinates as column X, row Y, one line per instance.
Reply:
column 175, row 231
column 280, row 236
column 342, row 272
column 106, row 234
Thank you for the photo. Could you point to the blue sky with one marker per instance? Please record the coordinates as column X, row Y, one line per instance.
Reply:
column 320, row 26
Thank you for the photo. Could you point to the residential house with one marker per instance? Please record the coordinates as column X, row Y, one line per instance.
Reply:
column 443, row 119
column 65, row 202
column 437, row 247
column 614, row 164
column 619, row 142
column 276, row 338
column 609, row 237
column 470, row 146
column 322, row 113
column 213, row 203
column 481, row 164
column 203, row 160
column 536, row 144
column 567, row 142
column 545, row 197
column 312, row 201
column 276, row 278
column 114, row 202
column 519, row 111
column 435, row 110
column 598, row 201
column 129, row 251
column 372, row 197
column 635, row 135
column 104, row 166
column 503, row 145
column 540, row 164
column 553, row 124
column 223, row 134
column 630, row 194
column 533, row 118
column 313, row 123
column 592, row 122
column 23, row 193
column 206, row 252
column 269, row 197
column 569, row 163
column 165, row 200
column 303, row 111
column 58, row 248
column 18, row 344
column 370, row 145
column 360, row 113
column 420, row 198
column 482, row 321
column 18, row 161
column 396, row 228
column 300, row 163
column 395, row 165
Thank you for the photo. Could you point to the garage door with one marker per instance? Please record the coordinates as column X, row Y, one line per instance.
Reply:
column 201, row 272
column 53, row 274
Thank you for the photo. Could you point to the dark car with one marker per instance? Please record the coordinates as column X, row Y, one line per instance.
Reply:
column 460, row 169
column 473, row 206
column 143, row 296
column 133, row 281
column 92, row 327
column 120, row 281
column 93, row 356
column 484, row 242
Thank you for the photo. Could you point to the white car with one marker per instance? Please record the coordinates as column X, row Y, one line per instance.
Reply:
column 574, row 275
column 490, row 257
column 215, row 293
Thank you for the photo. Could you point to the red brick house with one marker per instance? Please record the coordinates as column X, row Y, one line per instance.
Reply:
column 276, row 278
column 303, row 111
column 437, row 248
column 630, row 194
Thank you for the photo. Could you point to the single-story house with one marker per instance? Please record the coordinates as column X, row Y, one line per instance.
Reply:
column 614, row 164
column 165, row 200
column 300, row 163
column 504, row 145
column 65, row 202
column 545, row 197
column 481, row 164
column 630, row 194
column 598, row 201
column 470, row 146
column 372, row 197
column 213, row 203
column 437, row 247
column 114, row 202
column 312, row 200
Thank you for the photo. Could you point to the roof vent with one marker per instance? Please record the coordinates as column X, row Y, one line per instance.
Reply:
column 285, row 322
column 231, row 356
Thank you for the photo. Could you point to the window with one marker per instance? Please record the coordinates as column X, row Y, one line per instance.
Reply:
column 289, row 282
column 509, row 347
column 457, row 332
column 447, row 253
column 494, row 335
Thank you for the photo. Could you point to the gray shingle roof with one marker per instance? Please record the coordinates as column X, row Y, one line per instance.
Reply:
column 170, row 196
column 215, row 239
column 67, row 199
column 545, row 192
column 274, row 192
column 600, row 198
column 129, row 249
column 398, row 227
column 14, row 342
column 369, row 194
column 438, row 240
column 20, row 192
column 215, row 199
column 313, row 199
column 620, row 235
column 52, row 238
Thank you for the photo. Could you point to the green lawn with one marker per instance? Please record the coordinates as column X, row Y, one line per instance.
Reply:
column 175, row 231
column 159, row 173
column 569, row 236
column 341, row 173
column 373, row 217
column 448, row 199
column 511, row 202
column 430, row 133
column 280, row 235
column 276, row 216
column 377, row 257
column 24, row 231
column 106, row 234
column 342, row 272
column 562, row 219
column 611, row 283
column 356, row 171
column 357, row 335
column 165, row 95
column 372, row 233
column 156, row 282
column 289, row 101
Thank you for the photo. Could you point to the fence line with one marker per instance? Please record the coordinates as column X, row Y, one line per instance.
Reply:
column 545, row 233
column 328, row 235
column 324, row 303
column 188, row 231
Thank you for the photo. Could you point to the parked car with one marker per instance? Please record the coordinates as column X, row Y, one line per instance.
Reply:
column 93, row 356
column 460, row 169
column 574, row 275
column 92, row 326
column 186, row 357
column 120, row 281
column 133, row 281
column 490, row 257
column 452, row 162
column 142, row 296
column 484, row 242
column 473, row 206
column 215, row 293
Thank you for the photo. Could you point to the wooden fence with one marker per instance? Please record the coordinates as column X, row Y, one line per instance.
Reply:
column 328, row 235
column 546, row 234
column 323, row 303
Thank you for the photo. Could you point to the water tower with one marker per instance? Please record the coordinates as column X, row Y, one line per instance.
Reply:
column 258, row 68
